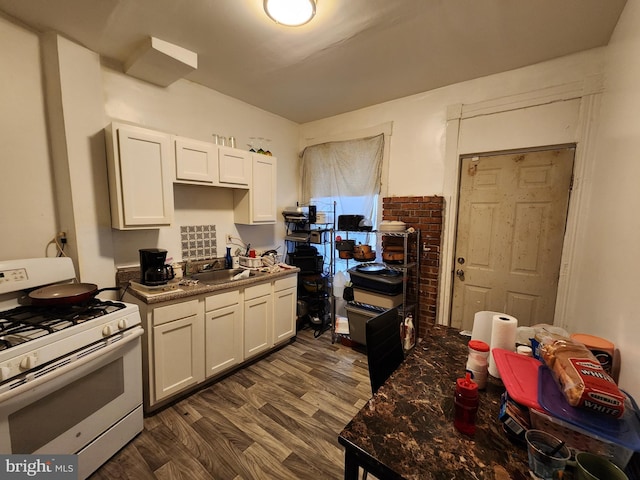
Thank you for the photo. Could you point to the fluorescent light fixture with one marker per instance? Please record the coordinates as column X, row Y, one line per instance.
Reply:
column 291, row 13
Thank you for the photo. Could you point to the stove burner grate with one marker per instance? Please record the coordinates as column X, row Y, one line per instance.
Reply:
column 27, row 322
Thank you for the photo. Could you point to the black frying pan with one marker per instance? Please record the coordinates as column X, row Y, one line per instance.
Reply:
column 66, row 294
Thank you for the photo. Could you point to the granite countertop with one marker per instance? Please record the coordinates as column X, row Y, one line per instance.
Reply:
column 175, row 291
column 408, row 424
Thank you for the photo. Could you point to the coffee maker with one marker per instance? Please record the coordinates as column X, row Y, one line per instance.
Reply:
column 153, row 270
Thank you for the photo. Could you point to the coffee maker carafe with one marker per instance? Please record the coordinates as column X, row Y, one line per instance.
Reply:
column 153, row 270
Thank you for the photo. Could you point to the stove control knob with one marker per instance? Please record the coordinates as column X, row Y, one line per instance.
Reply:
column 5, row 372
column 123, row 324
column 107, row 331
column 28, row 362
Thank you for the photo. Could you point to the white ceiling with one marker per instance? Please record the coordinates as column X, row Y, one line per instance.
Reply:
column 353, row 54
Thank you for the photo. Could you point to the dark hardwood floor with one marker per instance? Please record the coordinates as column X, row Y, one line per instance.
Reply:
column 278, row 418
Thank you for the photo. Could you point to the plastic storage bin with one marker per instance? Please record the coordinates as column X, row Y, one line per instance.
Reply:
column 251, row 262
column 580, row 439
column 377, row 299
column 358, row 317
column 582, row 429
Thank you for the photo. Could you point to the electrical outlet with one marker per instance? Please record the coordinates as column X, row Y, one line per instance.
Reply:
column 228, row 238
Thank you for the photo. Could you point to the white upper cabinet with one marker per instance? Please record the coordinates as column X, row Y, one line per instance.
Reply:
column 196, row 162
column 257, row 205
column 234, row 167
column 140, row 177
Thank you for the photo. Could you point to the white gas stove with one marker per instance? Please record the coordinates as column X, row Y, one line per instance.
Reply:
column 85, row 356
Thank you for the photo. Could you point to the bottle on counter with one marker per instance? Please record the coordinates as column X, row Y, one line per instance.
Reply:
column 228, row 261
column 478, row 362
column 409, row 333
column 466, row 405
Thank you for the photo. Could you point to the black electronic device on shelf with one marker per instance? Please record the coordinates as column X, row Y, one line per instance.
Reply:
column 312, row 215
column 350, row 222
column 306, row 258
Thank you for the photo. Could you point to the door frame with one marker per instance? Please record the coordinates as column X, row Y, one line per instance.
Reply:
column 554, row 104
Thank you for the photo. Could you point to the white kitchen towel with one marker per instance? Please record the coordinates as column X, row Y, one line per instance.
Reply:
column 482, row 325
column 503, row 335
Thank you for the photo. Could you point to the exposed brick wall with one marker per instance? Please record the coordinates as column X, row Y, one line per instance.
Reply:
column 424, row 214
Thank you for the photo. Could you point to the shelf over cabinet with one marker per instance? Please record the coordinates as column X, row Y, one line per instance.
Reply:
column 139, row 165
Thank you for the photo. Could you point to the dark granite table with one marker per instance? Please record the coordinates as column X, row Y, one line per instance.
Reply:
column 406, row 430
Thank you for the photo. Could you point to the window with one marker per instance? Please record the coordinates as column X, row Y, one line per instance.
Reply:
column 347, row 172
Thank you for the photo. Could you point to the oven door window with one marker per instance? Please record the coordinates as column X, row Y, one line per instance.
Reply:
column 65, row 414
column 35, row 425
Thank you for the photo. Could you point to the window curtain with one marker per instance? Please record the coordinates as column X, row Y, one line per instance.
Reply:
column 348, row 172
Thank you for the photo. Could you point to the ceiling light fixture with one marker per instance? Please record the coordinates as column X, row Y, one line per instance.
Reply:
column 291, row 13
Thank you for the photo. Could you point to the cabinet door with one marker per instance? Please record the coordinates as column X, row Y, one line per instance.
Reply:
column 223, row 339
column 284, row 315
column 258, row 325
column 263, row 189
column 258, row 204
column 234, row 166
column 140, row 178
column 178, row 355
column 196, row 161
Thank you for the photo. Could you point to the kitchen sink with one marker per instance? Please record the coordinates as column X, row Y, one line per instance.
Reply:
column 222, row 276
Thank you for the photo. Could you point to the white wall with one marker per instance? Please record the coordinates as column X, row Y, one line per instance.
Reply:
column 73, row 94
column 604, row 295
column 417, row 153
column 27, row 207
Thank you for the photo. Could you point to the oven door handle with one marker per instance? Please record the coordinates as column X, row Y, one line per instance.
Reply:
column 128, row 336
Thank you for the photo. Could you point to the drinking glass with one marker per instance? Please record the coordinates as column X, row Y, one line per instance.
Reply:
column 547, row 455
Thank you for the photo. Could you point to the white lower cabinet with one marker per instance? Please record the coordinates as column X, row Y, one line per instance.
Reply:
column 178, row 348
column 285, row 299
column 188, row 341
column 258, row 319
column 223, row 332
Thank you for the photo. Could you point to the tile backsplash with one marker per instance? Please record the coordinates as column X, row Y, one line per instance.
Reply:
column 198, row 242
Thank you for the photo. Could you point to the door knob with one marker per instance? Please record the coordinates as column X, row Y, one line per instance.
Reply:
column 460, row 274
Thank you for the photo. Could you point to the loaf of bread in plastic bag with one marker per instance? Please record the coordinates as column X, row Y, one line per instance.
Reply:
column 581, row 378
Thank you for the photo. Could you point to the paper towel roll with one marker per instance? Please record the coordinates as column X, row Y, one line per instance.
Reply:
column 482, row 325
column 503, row 335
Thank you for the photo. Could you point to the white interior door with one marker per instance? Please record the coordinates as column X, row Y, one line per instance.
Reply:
column 511, row 222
